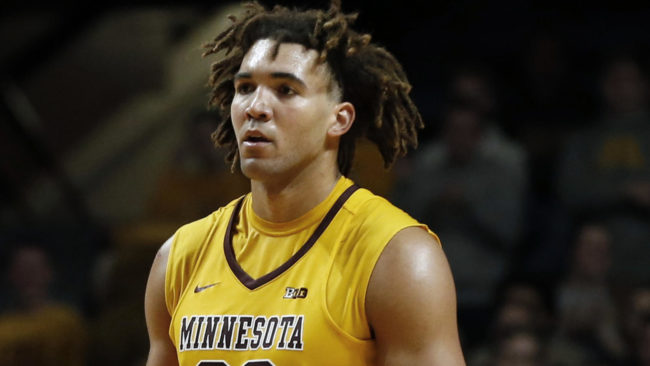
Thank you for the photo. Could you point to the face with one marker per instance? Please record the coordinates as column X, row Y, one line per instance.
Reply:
column 462, row 134
column 624, row 87
column 592, row 254
column 519, row 350
column 283, row 111
column 30, row 273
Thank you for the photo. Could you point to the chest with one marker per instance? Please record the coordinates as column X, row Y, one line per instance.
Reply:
column 224, row 314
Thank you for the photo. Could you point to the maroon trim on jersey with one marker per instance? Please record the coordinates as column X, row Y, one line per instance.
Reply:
column 253, row 283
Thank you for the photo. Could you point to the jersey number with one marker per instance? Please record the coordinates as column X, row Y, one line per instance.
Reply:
column 248, row 363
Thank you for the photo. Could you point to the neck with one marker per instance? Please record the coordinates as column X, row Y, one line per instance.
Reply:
column 282, row 201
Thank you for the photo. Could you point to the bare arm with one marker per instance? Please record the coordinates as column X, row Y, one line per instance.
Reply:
column 161, row 349
column 411, row 303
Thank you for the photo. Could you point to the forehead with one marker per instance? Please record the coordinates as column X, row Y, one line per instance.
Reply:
column 291, row 58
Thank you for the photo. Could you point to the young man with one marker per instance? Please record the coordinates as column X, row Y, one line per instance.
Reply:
column 306, row 269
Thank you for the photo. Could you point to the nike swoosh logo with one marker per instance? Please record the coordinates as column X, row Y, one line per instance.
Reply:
column 201, row 288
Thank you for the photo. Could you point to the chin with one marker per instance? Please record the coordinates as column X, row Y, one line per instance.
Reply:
column 254, row 169
column 267, row 171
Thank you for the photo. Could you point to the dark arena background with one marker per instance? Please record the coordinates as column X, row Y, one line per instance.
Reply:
column 534, row 168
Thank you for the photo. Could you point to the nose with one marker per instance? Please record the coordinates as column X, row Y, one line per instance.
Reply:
column 259, row 109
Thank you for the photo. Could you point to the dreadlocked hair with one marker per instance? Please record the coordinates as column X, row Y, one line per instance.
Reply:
column 368, row 75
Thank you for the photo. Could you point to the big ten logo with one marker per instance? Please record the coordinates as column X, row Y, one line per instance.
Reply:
column 295, row 293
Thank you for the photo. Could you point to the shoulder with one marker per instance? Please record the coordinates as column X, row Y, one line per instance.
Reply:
column 411, row 264
column 412, row 278
column 373, row 224
column 368, row 208
column 177, row 259
column 413, row 254
column 367, row 223
column 377, row 219
column 415, row 247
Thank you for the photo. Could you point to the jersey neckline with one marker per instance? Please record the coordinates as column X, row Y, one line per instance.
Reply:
column 253, row 283
column 308, row 219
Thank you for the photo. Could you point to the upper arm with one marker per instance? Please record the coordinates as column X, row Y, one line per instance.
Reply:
column 411, row 303
column 161, row 348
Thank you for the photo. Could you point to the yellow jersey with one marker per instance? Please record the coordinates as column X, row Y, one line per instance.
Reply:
column 244, row 291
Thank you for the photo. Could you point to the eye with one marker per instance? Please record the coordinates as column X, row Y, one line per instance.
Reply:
column 286, row 90
column 244, row 88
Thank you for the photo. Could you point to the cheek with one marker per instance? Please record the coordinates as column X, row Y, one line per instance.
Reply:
column 236, row 109
column 311, row 120
column 237, row 115
column 306, row 131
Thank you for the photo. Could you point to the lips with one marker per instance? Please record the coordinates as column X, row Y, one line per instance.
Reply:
column 252, row 137
column 256, row 139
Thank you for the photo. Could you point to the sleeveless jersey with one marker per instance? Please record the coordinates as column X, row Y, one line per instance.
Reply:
column 234, row 302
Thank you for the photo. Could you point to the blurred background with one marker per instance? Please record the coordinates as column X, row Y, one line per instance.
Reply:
column 534, row 169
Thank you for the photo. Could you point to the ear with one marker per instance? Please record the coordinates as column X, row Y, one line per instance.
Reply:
column 345, row 114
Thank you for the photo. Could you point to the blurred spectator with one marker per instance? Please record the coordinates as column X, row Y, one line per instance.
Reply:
column 642, row 345
column 543, row 110
column 637, row 325
column 36, row 329
column 606, row 168
column 638, row 309
column 521, row 308
column 471, row 196
column 520, row 348
column 119, row 330
column 519, row 297
column 475, row 86
column 588, row 327
column 546, row 76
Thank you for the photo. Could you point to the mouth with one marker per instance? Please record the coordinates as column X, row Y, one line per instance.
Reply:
column 255, row 137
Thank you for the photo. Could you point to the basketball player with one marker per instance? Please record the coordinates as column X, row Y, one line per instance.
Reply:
column 307, row 269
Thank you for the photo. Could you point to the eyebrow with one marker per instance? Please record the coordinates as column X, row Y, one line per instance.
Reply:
column 274, row 75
